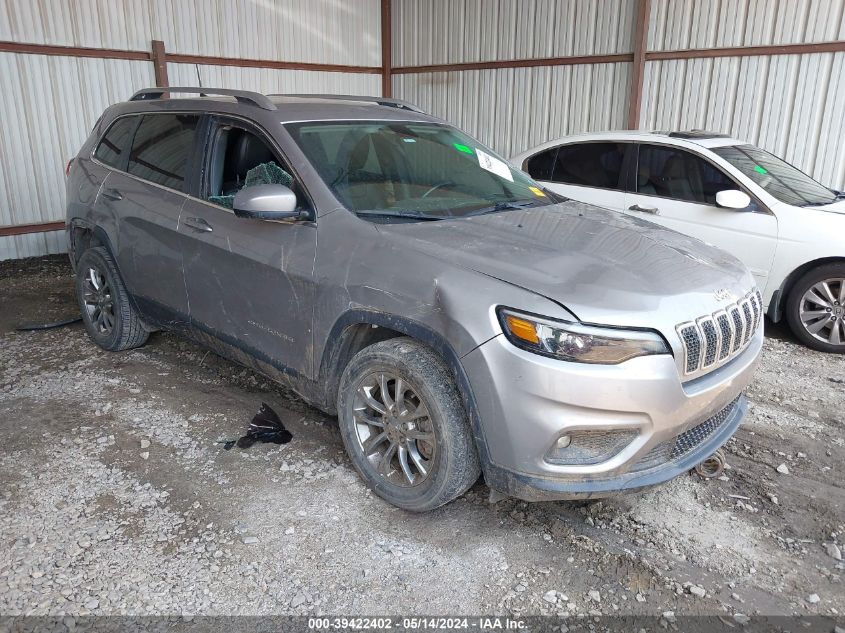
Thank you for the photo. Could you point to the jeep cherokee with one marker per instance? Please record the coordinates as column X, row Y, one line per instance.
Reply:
column 456, row 316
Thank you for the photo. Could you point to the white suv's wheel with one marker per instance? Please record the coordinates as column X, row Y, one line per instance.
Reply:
column 815, row 308
column 404, row 426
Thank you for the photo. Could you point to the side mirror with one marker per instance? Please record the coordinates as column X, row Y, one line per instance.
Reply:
column 266, row 202
column 733, row 199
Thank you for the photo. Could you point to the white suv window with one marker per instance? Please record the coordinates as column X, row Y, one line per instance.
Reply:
column 675, row 173
column 596, row 165
column 540, row 165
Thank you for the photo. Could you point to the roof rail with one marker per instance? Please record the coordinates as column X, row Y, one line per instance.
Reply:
column 382, row 101
column 242, row 96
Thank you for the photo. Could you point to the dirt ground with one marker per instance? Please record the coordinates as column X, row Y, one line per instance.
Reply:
column 116, row 497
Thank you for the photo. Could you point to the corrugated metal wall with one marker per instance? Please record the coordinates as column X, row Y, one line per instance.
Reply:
column 268, row 80
column 792, row 105
column 49, row 103
column 452, row 31
column 512, row 109
column 515, row 108
column 319, row 31
column 681, row 24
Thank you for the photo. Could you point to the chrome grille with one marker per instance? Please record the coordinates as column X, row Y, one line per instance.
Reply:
column 711, row 340
column 726, row 333
column 738, row 326
column 749, row 320
column 715, row 338
column 692, row 346
column 757, row 309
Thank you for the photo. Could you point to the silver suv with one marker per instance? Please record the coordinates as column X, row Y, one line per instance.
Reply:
column 456, row 316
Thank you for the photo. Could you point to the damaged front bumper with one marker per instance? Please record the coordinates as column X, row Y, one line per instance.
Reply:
column 560, row 430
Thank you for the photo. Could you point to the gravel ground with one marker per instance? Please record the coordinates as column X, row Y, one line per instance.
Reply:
column 116, row 497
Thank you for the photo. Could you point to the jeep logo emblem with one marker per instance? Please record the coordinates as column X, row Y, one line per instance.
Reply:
column 723, row 294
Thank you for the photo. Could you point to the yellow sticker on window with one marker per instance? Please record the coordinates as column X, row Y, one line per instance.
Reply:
column 537, row 192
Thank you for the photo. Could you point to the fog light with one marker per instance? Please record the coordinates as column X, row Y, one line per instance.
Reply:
column 563, row 442
column 582, row 448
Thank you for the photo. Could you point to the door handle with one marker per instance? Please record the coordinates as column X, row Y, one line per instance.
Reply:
column 652, row 210
column 198, row 224
column 112, row 194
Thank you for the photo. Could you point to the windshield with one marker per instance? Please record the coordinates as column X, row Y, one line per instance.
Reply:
column 405, row 169
column 777, row 177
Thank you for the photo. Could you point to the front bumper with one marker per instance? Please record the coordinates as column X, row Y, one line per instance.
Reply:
column 526, row 402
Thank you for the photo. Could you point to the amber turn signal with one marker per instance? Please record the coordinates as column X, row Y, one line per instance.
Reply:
column 522, row 329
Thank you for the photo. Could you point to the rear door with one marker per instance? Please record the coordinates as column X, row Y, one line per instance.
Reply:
column 143, row 195
column 592, row 172
column 677, row 189
column 250, row 282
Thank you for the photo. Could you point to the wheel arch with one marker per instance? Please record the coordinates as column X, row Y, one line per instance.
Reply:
column 86, row 235
column 357, row 329
column 776, row 305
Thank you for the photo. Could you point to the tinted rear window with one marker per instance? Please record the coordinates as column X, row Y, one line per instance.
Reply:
column 590, row 165
column 540, row 165
column 112, row 149
column 161, row 150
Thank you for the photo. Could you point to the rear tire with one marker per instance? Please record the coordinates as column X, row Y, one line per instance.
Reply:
column 815, row 308
column 111, row 321
column 404, row 426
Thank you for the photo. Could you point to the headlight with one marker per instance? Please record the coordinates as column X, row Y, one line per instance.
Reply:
column 577, row 342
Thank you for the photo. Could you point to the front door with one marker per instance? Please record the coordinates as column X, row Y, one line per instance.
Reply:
column 250, row 282
column 677, row 189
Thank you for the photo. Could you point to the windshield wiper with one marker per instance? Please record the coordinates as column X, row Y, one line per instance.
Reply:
column 398, row 213
column 502, row 206
column 822, row 203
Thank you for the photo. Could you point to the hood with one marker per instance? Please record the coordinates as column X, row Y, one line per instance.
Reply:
column 602, row 266
column 835, row 207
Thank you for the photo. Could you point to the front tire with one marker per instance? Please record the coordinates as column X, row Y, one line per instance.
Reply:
column 404, row 426
column 111, row 321
column 815, row 308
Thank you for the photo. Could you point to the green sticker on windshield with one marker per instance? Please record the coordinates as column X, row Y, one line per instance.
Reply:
column 463, row 148
column 760, row 170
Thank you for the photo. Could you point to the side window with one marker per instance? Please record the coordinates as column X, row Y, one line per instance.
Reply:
column 590, row 165
column 162, row 148
column 540, row 165
column 240, row 158
column 676, row 173
column 112, row 148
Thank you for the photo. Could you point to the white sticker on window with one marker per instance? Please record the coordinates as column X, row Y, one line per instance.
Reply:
column 494, row 165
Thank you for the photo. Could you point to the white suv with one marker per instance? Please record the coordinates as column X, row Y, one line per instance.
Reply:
column 786, row 227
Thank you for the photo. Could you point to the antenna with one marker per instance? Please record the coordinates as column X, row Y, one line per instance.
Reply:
column 199, row 79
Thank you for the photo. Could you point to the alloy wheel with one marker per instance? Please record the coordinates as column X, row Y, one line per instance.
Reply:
column 394, row 429
column 99, row 304
column 822, row 311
